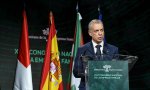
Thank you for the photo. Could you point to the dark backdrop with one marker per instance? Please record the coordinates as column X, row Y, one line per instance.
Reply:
column 126, row 26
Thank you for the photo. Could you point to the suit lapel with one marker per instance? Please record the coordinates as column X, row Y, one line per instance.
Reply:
column 90, row 48
column 105, row 49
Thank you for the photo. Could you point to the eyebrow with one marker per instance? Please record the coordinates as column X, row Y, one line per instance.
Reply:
column 99, row 29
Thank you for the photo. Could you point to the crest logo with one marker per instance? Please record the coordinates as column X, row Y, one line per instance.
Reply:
column 45, row 31
column 107, row 68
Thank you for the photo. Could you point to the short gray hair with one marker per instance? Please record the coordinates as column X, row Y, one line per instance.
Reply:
column 94, row 21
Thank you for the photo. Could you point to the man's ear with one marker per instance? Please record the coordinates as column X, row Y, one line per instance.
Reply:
column 90, row 33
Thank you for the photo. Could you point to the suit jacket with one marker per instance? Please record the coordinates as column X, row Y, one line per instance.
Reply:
column 88, row 50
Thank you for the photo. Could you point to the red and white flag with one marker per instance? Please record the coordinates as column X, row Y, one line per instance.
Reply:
column 23, row 79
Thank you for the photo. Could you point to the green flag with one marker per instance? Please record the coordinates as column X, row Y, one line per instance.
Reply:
column 78, row 41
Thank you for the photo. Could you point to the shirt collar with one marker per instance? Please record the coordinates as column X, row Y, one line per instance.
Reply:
column 102, row 45
column 94, row 44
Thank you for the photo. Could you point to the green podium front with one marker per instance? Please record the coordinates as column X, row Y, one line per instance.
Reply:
column 108, row 74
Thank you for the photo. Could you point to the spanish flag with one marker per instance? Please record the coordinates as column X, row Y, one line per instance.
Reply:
column 51, row 74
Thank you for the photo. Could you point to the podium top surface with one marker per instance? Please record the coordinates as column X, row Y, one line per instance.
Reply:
column 112, row 57
column 115, row 57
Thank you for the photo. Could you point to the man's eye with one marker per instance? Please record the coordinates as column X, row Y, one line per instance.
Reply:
column 102, row 29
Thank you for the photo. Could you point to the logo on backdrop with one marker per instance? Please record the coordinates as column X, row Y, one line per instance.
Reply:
column 45, row 31
column 44, row 35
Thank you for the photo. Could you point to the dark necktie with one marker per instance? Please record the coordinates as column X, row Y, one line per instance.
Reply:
column 98, row 52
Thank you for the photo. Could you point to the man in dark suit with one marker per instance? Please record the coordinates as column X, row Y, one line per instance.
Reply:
column 95, row 48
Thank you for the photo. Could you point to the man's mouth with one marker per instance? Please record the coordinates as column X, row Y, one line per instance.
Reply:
column 99, row 37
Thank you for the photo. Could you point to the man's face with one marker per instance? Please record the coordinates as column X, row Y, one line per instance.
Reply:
column 97, row 33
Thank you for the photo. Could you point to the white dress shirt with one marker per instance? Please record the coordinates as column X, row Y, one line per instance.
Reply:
column 101, row 48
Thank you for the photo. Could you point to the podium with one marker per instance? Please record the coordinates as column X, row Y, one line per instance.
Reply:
column 109, row 72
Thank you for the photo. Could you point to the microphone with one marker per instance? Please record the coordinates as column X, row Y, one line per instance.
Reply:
column 84, row 53
column 84, row 57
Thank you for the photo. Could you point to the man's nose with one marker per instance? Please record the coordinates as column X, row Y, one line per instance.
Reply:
column 100, row 33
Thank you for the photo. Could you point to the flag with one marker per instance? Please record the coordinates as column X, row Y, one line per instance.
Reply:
column 23, row 78
column 78, row 41
column 100, row 14
column 100, row 18
column 51, row 73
